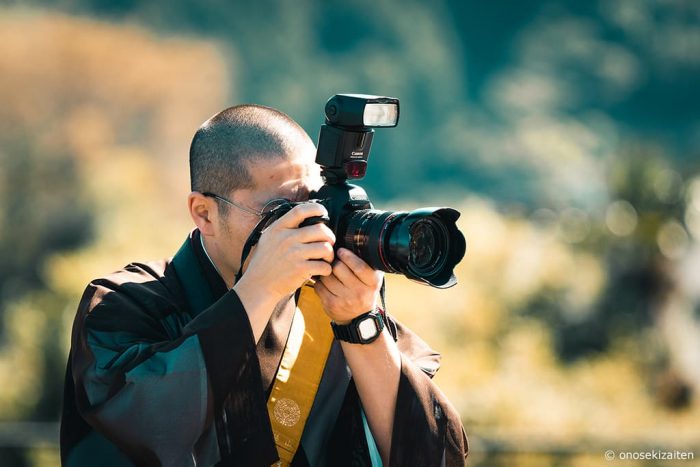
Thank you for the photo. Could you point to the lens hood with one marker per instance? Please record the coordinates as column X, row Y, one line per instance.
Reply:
column 429, row 246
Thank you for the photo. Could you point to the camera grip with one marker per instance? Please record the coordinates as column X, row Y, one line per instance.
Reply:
column 315, row 220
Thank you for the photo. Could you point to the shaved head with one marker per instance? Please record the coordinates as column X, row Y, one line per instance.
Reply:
column 225, row 145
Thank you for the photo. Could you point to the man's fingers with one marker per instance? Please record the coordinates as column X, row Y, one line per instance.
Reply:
column 345, row 275
column 333, row 284
column 322, row 290
column 317, row 250
column 297, row 214
column 318, row 268
column 315, row 233
column 358, row 267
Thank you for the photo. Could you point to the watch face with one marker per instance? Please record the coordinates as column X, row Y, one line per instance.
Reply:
column 367, row 328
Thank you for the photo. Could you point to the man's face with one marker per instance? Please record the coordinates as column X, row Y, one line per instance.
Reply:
column 291, row 178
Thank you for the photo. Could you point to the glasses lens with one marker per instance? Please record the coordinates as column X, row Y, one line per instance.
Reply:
column 273, row 204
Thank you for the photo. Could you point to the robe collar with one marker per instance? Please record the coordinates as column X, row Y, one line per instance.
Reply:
column 216, row 283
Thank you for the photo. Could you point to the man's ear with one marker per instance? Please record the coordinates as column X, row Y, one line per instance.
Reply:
column 204, row 212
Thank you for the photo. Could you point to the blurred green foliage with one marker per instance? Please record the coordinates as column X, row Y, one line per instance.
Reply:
column 565, row 132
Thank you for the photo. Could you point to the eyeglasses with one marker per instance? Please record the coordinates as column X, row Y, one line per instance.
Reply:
column 269, row 206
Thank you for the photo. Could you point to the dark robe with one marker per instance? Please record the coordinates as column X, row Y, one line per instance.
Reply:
column 152, row 381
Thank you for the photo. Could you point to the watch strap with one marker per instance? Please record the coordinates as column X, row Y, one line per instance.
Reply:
column 351, row 333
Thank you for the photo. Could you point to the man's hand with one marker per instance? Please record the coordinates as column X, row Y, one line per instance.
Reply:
column 285, row 257
column 352, row 288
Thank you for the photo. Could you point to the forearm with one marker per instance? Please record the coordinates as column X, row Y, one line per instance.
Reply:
column 258, row 305
column 376, row 369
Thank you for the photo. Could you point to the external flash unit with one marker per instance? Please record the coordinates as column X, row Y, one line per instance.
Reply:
column 360, row 111
column 346, row 137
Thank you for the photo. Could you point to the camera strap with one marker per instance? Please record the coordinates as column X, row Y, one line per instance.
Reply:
column 254, row 237
column 299, row 374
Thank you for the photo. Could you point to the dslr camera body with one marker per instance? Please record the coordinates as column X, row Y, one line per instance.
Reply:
column 424, row 245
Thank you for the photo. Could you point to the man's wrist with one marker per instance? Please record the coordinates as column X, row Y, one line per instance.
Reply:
column 346, row 318
column 258, row 304
column 346, row 321
column 255, row 293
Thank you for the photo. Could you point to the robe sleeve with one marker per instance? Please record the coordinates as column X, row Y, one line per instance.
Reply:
column 150, row 378
column 427, row 428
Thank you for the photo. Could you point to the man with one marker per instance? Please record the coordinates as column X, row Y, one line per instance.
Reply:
column 178, row 363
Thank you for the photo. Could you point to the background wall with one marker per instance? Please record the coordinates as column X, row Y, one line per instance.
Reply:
column 567, row 133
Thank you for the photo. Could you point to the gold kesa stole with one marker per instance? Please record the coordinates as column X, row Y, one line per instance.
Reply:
column 299, row 374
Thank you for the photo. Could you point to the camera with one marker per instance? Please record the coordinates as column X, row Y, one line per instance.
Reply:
column 424, row 245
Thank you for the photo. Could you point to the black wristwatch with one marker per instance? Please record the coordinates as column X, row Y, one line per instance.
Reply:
column 361, row 330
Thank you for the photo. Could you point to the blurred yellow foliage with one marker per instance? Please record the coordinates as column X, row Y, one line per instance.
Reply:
column 499, row 366
column 123, row 104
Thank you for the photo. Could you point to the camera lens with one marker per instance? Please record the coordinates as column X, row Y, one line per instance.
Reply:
column 365, row 234
column 427, row 245
column 424, row 244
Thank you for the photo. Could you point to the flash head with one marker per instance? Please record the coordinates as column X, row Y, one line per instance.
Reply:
column 346, row 137
column 362, row 111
